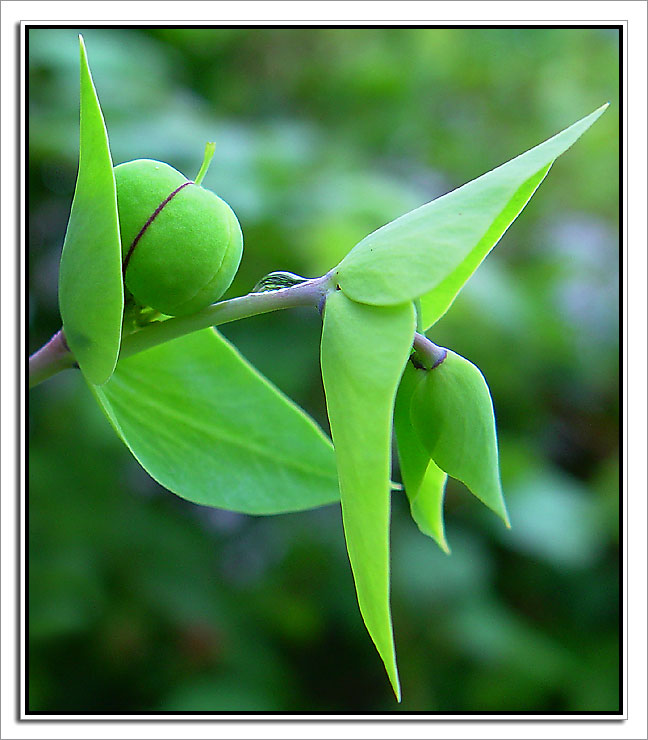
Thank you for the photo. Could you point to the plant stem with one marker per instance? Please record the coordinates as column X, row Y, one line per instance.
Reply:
column 427, row 355
column 50, row 359
column 56, row 356
column 308, row 293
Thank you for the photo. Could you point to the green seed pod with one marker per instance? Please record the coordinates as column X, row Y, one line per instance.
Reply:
column 181, row 244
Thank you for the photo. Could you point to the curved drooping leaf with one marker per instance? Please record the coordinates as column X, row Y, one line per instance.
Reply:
column 424, row 482
column 452, row 413
column 207, row 426
column 91, row 293
column 432, row 251
column 364, row 351
column 412, row 455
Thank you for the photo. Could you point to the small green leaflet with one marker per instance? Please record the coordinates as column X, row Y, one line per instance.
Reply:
column 207, row 426
column 452, row 413
column 430, row 252
column 91, row 294
column 424, row 482
column 427, row 505
column 364, row 351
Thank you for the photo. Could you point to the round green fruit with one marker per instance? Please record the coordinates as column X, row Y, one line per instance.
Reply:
column 181, row 244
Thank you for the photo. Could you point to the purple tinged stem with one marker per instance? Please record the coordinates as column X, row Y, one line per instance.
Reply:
column 427, row 354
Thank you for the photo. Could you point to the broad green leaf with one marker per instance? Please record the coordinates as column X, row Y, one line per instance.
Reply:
column 424, row 482
column 453, row 414
column 364, row 351
column 432, row 251
column 91, row 294
column 207, row 426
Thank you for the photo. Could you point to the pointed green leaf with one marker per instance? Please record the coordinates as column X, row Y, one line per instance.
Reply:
column 435, row 303
column 412, row 455
column 439, row 245
column 207, row 426
column 452, row 413
column 427, row 505
column 91, row 294
column 364, row 351
column 424, row 482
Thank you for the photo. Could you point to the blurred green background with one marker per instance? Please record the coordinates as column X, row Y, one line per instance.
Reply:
column 141, row 601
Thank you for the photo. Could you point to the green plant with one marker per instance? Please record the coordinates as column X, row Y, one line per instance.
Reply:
column 207, row 426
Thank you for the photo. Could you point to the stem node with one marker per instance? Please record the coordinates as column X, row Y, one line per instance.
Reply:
column 427, row 355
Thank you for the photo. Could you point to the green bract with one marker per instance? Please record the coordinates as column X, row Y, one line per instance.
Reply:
column 430, row 252
column 90, row 283
column 452, row 413
column 181, row 244
column 364, row 351
column 424, row 482
column 188, row 410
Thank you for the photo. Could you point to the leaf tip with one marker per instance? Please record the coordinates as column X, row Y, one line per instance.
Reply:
column 210, row 148
column 397, row 689
column 500, row 508
column 599, row 111
column 392, row 672
column 83, row 54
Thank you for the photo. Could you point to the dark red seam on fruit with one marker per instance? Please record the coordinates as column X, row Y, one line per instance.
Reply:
column 152, row 218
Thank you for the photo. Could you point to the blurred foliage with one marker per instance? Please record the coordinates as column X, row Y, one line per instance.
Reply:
column 140, row 601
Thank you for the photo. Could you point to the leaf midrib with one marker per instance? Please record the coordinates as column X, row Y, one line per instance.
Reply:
column 232, row 440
